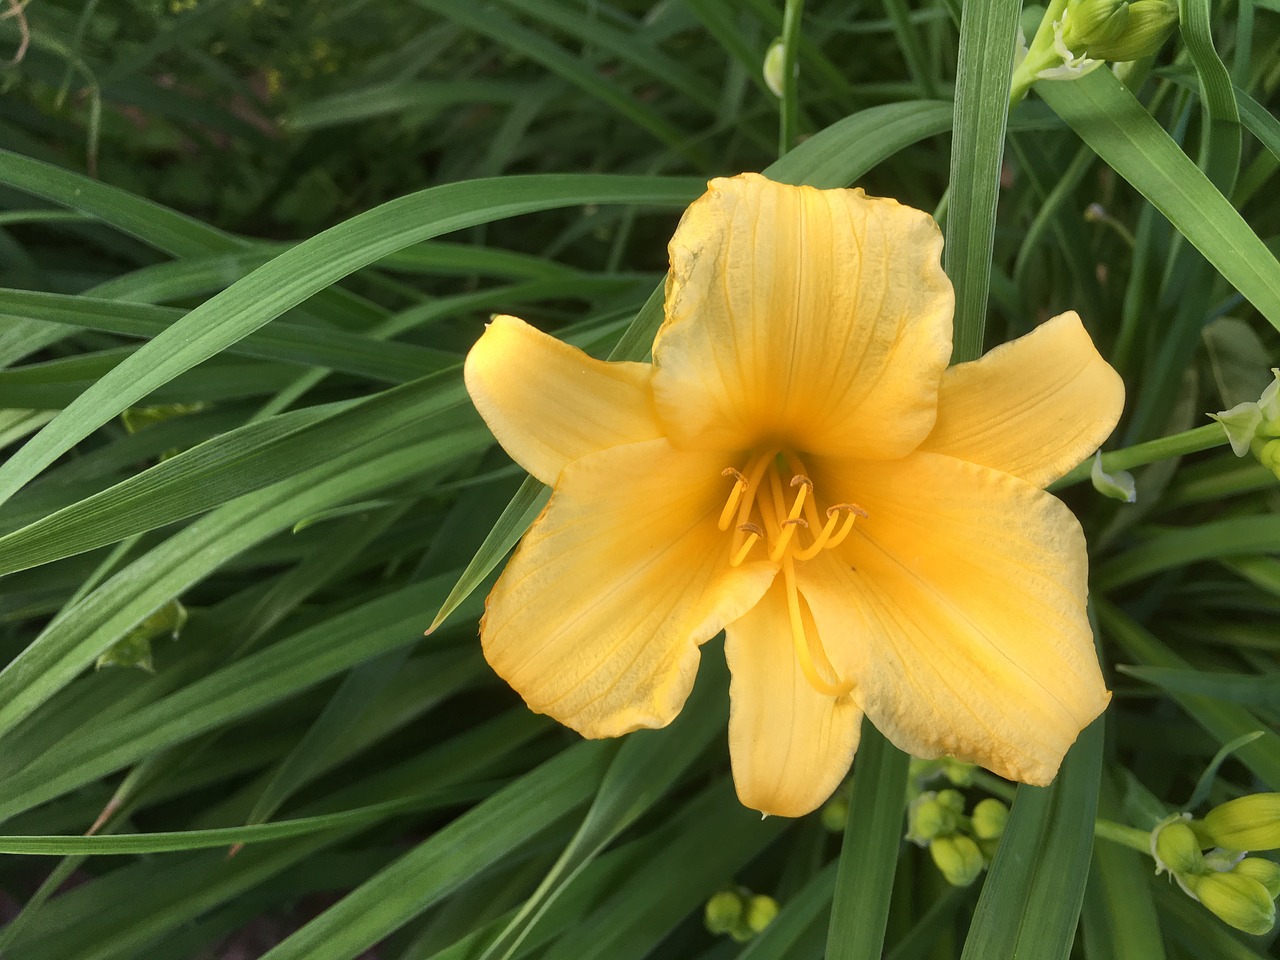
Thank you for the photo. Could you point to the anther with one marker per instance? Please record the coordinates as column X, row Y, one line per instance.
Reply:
column 754, row 533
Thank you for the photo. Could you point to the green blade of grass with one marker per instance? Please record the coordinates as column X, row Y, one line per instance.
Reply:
column 869, row 855
column 987, row 32
column 1106, row 116
column 72, row 641
column 1031, row 899
column 453, row 854
column 308, row 268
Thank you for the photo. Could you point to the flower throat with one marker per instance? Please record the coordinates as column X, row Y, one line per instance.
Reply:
column 766, row 521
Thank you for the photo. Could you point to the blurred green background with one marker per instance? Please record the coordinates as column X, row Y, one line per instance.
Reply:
column 244, row 247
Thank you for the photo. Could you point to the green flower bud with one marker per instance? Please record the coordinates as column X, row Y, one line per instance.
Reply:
column 1088, row 22
column 1147, row 26
column 1269, row 402
column 1238, row 900
column 989, row 818
column 958, row 771
column 1177, row 850
column 773, row 66
column 958, row 857
column 1269, row 455
column 760, row 912
column 1266, row 872
column 835, row 814
column 724, row 912
column 1241, row 423
column 932, row 815
column 1247, row 823
column 1117, row 486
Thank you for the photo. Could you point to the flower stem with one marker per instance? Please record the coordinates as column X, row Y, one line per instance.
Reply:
column 790, row 103
column 1040, row 54
column 1175, row 445
column 1130, row 837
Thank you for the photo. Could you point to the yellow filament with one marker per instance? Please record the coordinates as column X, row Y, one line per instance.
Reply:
column 788, row 526
column 854, row 511
column 804, row 647
column 740, row 485
column 753, row 535
column 829, row 537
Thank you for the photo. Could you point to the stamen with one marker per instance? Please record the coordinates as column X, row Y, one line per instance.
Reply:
column 754, row 533
column 804, row 647
column 787, row 527
column 756, row 474
column 726, row 515
column 854, row 511
column 825, row 540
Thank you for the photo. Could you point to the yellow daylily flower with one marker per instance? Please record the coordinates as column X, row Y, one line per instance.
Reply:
column 799, row 468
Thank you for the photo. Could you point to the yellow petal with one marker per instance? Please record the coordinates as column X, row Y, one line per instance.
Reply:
column 960, row 604
column 790, row 745
column 1034, row 407
column 549, row 403
column 818, row 320
column 598, row 617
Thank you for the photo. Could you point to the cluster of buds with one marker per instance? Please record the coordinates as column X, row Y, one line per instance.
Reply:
column 1209, row 859
column 961, row 846
column 739, row 913
column 1114, row 29
column 1255, row 426
column 1077, row 36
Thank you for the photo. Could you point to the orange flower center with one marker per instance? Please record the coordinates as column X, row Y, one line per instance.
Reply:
column 782, row 522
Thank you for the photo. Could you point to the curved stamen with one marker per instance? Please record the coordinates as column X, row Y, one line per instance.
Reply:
column 787, row 527
column 854, row 511
column 825, row 539
column 731, row 505
column 804, row 647
column 754, row 533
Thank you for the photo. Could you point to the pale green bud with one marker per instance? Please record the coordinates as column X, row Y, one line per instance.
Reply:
column 1177, row 849
column 1269, row 455
column 1148, row 25
column 724, row 912
column 1247, row 823
column 1269, row 402
column 835, row 814
column 773, row 68
column 958, row 771
column 760, row 912
column 1118, row 485
column 1266, row 872
column 1241, row 424
column 1087, row 22
column 134, row 648
column 958, row 857
column 932, row 815
column 989, row 818
column 1238, row 900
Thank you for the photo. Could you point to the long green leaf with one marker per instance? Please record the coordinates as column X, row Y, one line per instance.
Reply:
column 987, row 32
column 869, row 855
column 1106, row 116
column 1031, row 900
column 308, row 268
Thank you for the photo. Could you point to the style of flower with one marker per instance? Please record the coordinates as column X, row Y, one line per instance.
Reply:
column 799, row 468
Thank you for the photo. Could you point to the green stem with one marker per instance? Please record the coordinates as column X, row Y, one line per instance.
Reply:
column 1175, row 445
column 1130, row 837
column 1040, row 54
column 790, row 105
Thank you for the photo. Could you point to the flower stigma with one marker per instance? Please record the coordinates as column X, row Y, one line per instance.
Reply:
column 757, row 509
